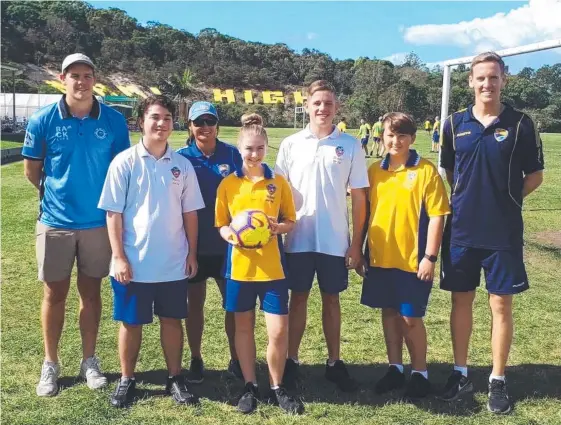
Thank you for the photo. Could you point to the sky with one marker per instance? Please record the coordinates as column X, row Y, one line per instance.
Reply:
column 436, row 31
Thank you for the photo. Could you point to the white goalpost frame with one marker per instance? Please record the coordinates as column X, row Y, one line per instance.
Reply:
column 535, row 47
column 300, row 110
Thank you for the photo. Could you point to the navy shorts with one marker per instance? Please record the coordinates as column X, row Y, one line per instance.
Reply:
column 364, row 140
column 137, row 302
column 435, row 138
column 241, row 296
column 397, row 289
column 376, row 139
column 505, row 273
column 332, row 273
column 209, row 266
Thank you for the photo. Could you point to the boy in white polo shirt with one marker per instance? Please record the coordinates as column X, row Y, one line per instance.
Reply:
column 320, row 162
column 151, row 196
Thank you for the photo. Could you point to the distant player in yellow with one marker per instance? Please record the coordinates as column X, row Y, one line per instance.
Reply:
column 364, row 135
column 252, row 273
column 427, row 126
column 408, row 203
column 377, row 130
column 342, row 126
column 435, row 135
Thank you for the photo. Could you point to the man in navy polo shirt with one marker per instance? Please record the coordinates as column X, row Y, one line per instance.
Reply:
column 493, row 159
column 213, row 160
column 67, row 151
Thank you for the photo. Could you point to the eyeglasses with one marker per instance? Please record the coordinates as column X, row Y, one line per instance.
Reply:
column 199, row 122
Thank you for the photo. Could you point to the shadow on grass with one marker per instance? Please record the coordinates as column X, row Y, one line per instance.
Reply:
column 532, row 381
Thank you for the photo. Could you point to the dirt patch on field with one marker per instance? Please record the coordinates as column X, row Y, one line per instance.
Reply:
column 550, row 239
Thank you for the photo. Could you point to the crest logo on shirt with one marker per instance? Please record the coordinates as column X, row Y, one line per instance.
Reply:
column 339, row 151
column 501, row 134
column 176, row 172
column 410, row 181
column 100, row 133
column 224, row 170
column 271, row 188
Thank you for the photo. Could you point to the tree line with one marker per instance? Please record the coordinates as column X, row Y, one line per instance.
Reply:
column 185, row 66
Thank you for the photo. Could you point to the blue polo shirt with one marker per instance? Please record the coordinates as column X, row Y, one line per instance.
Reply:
column 489, row 165
column 76, row 154
column 210, row 171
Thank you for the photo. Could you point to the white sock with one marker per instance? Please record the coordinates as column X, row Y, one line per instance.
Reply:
column 462, row 369
column 498, row 378
column 331, row 363
column 295, row 360
column 424, row 373
column 399, row 366
column 274, row 387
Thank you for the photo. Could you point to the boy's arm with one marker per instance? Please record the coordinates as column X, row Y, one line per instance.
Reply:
column 434, row 239
column 121, row 265
column 354, row 253
column 191, row 226
column 33, row 151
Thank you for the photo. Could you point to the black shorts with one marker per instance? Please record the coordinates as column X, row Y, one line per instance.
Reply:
column 209, row 266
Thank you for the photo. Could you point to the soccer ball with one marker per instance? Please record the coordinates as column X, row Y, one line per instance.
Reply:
column 251, row 228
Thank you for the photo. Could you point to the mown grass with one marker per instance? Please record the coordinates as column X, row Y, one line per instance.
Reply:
column 5, row 144
column 534, row 375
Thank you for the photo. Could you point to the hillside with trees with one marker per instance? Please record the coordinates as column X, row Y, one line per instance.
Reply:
column 185, row 66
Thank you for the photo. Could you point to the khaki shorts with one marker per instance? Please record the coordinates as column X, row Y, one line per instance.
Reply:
column 57, row 248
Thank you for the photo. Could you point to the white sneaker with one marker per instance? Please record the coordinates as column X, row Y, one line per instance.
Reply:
column 47, row 386
column 91, row 372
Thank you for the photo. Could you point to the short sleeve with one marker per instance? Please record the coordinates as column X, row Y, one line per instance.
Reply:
column 435, row 197
column 34, row 145
column 122, row 139
column 281, row 165
column 191, row 198
column 287, row 208
column 531, row 147
column 447, row 151
column 114, row 193
column 358, row 177
column 221, row 212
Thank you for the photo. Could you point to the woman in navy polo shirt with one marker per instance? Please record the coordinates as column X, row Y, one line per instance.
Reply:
column 213, row 160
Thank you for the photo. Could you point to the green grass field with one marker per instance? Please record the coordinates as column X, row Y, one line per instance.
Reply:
column 534, row 375
column 4, row 144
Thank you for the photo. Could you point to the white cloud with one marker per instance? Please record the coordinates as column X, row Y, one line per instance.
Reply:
column 311, row 36
column 396, row 58
column 536, row 21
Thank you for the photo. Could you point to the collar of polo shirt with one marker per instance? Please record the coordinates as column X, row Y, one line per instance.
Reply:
column 197, row 152
column 469, row 116
column 267, row 171
column 64, row 109
column 144, row 153
column 334, row 134
column 412, row 161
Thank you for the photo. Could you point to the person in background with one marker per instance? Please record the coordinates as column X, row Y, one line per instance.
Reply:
column 213, row 160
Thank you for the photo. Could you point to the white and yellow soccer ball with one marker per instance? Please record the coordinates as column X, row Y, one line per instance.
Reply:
column 251, row 229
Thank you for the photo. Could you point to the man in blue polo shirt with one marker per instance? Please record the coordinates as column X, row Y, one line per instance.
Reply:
column 67, row 151
column 213, row 160
column 493, row 159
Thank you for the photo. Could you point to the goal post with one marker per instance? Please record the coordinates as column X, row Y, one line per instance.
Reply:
column 447, row 65
column 299, row 110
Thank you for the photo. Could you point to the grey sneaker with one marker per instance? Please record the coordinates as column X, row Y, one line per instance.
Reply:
column 48, row 386
column 91, row 372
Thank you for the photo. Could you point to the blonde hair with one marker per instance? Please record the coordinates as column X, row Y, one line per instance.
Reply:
column 488, row 57
column 320, row 85
column 252, row 125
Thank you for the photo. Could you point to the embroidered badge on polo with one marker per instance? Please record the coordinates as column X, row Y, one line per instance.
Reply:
column 176, row 172
column 271, row 188
column 501, row 134
column 224, row 169
column 339, row 151
column 100, row 133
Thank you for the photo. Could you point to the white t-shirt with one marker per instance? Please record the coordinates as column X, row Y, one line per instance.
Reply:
column 152, row 195
column 319, row 172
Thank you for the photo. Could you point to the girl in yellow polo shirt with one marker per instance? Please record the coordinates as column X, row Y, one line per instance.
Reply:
column 252, row 273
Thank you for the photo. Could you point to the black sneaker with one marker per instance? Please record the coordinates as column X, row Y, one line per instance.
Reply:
column 124, row 392
column 392, row 380
column 286, row 402
column 498, row 397
column 291, row 374
column 248, row 400
column 178, row 390
column 417, row 387
column 235, row 369
column 196, row 371
column 456, row 386
column 339, row 375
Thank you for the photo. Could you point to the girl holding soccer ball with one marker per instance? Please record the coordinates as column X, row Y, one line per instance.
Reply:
column 258, row 272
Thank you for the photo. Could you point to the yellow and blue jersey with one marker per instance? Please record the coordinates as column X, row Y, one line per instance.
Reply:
column 342, row 126
column 401, row 203
column 436, row 127
column 273, row 196
column 364, row 131
column 489, row 166
column 377, row 129
column 427, row 125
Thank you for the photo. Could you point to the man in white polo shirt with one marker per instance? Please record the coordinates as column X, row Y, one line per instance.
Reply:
column 320, row 162
column 151, row 196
